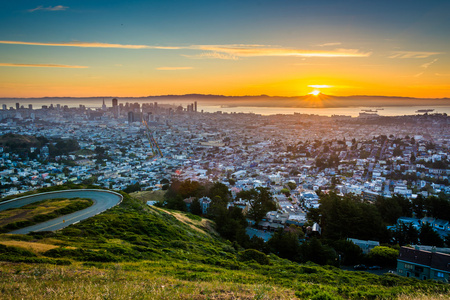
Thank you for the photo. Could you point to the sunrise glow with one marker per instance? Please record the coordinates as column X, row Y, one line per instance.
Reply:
column 315, row 92
column 140, row 49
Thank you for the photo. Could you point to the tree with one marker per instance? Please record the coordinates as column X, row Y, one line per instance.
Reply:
column 397, row 151
column 428, row 236
column 291, row 185
column 189, row 188
column 66, row 171
column 318, row 253
column 261, row 202
column 383, row 256
column 285, row 191
column 418, row 206
column 348, row 217
column 389, row 208
column 132, row 188
column 437, row 207
column 221, row 190
column 350, row 253
column 405, row 204
column 405, row 234
column 285, row 244
column 196, row 208
column 63, row 147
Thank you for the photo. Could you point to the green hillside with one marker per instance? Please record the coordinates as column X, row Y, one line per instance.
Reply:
column 134, row 251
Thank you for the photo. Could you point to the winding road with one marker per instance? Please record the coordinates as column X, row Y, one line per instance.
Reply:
column 103, row 200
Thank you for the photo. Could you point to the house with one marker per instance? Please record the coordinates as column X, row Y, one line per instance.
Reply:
column 428, row 220
column 366, row 246
column 416, row 223
column 188, row 202
column 273, row 220
column 440, row 224
column 205, row 202
column 421, row 264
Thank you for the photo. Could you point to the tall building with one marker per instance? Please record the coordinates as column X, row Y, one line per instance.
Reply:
column 195, row 106
column 130, row 117
column 103, row 105
column 115, row 105
column 17, row 105
column 30, row 106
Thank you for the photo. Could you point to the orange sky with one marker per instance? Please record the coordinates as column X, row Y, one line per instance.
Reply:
column 151, row 48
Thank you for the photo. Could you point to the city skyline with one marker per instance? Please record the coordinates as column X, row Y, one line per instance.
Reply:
column 288, row 48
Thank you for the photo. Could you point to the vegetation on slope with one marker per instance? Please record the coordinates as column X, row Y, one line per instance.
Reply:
column 39, row 212
column 133, row 250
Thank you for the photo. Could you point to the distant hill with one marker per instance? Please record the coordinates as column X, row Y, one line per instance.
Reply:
column 307, row 101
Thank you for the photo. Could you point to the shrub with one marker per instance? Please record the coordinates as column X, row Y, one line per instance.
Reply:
column 252, row 254
column 383, row 256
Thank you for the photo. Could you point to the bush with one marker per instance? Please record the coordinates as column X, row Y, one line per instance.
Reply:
column 15, row 251
column 383, row 256
column 254, row 255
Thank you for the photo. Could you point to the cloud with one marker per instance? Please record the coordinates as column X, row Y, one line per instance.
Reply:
column 426, row 65
column 42, row 66
column 50, row 8
column 88, row 45
column 173, row 68
column 328, row 44
column 412, row 54
column 212, row 55
column 258, row 51
column 441, row 74
column 320, row 86
column 214, row 51
column 418, row 74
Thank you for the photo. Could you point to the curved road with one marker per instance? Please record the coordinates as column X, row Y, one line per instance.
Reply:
column 103, row 200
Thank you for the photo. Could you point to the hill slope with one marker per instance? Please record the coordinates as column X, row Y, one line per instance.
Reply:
column 135, row 251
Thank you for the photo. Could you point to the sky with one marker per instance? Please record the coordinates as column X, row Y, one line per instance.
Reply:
column 137, row 48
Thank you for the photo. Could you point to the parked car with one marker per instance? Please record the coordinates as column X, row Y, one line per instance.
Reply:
column 375, row 268
column 360, row 267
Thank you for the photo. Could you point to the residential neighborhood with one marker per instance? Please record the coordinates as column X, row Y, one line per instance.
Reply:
column 145, row 147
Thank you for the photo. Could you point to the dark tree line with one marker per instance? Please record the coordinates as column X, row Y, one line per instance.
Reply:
column 350, row 217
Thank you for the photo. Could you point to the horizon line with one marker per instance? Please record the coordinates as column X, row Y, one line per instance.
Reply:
column 228, row 96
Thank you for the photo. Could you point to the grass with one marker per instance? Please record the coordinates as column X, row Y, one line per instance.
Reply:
column 31, row 246
column 135, row 251
column 29, row 211
column 41, row 211
column 119, row 282
column 145, row 196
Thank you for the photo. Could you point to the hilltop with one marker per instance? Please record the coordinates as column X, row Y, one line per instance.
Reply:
column 133, row 250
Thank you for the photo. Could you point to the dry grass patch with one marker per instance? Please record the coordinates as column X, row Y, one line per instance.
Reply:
column 145, row 196
column 194, row 224
column 79, row 282
column 33, row 247
column 423, row 297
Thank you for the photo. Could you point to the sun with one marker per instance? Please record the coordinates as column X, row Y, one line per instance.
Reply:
column 315, row 92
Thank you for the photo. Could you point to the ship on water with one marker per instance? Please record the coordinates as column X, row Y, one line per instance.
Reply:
column 424, row 111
